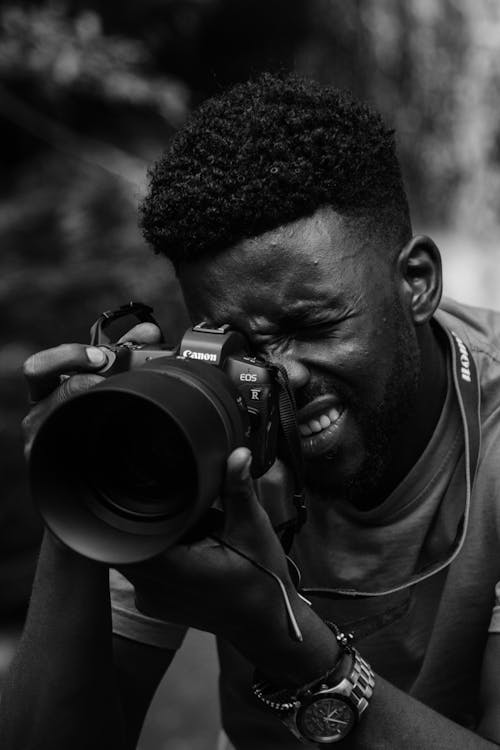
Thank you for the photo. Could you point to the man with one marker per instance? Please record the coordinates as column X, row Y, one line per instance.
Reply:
column 282, row 208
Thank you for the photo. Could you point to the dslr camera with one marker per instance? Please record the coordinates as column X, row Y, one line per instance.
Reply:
column 126, row 469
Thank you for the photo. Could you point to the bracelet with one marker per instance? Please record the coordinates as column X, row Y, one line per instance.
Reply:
column 269, row 694
column 343, row 639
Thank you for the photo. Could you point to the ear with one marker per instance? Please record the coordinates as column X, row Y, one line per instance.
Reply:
column 419, row 266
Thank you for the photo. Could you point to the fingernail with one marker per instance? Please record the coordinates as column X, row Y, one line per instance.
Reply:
column 96, row 356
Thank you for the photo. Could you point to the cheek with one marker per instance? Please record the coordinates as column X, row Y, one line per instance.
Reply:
column 351, row 367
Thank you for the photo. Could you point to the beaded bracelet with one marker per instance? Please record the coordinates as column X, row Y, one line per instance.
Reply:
column 269, row 694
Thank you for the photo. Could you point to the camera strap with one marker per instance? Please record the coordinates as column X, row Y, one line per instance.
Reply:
column 290, row 430
column 143, row 313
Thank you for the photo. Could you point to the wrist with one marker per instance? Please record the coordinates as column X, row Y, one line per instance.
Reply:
column 329, row 708
column 268, row 642
column 54, row 553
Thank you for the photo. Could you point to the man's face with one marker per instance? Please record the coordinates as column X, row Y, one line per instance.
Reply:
column 319, row 299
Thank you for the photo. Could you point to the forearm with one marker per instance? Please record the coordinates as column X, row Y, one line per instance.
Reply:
column 60, row 692
column 271, row 647
column 395, row 720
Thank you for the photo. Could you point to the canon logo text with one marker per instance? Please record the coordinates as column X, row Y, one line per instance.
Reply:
column 199, row 355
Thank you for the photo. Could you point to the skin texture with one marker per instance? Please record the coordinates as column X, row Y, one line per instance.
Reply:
column 348, row 319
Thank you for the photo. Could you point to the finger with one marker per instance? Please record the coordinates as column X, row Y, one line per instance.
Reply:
column 68, row 388
column 241, row 505
column 43, row 370
column 143, row 333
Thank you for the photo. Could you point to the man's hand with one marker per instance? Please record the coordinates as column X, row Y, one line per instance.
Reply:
column 54, row 375
column 209, row 585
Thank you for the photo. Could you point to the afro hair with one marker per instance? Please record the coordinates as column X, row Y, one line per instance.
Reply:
column 266, row 153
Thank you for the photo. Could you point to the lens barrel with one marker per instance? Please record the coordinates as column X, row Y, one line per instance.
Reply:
column 124, row 470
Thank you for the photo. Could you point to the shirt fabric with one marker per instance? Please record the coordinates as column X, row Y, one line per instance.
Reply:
column 427, row 639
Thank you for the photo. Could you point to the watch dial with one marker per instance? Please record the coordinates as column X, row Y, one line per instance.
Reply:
column 327, row 719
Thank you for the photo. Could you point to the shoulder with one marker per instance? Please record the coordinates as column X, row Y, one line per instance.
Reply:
column 479, row 328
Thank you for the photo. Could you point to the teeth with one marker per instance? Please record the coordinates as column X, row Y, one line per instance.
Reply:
column 305, row 430
column 320, row 423
column 314, row 425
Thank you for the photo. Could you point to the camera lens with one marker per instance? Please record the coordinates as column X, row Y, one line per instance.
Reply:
column 128, row 468
column 143, row 468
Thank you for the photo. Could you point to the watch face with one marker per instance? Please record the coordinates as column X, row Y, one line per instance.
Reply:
column 326, row 719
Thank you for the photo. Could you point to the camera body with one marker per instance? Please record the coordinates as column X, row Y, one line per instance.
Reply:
column 131, row 466
column 253, row 379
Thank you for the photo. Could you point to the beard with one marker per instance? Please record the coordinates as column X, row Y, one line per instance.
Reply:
column 381, row 426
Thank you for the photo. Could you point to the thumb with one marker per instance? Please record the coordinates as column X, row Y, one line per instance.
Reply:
column 241, row 505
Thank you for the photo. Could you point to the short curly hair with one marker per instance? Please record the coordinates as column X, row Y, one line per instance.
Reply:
column 266, row 153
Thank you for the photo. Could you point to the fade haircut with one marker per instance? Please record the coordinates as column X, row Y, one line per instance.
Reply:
column 266, row 153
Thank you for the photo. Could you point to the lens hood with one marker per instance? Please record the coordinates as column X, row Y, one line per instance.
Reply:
column 124, row 470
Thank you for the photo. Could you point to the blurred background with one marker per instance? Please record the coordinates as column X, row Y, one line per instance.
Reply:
column 91, row 91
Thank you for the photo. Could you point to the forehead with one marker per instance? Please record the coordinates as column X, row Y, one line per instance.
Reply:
column 300, row 266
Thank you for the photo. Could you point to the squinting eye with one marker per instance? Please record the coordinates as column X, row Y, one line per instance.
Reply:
column 322, row 330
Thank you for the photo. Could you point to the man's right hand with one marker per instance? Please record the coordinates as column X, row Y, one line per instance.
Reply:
column 55, row 375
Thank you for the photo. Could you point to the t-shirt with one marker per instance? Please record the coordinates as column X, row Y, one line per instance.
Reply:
column 427, row 639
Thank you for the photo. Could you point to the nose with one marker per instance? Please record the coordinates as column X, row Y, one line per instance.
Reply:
column 298, row 373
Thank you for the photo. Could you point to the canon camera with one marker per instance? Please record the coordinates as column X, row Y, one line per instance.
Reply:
column 127, row 468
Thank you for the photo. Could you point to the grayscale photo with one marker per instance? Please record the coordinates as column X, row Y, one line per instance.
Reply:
column 249, row 375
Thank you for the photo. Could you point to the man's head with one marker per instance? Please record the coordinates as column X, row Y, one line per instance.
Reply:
column 267, row 153
column 282, row 207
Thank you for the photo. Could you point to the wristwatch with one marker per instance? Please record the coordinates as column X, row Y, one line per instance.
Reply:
column 326, row 710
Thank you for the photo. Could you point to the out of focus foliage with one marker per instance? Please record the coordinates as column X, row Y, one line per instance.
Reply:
column 433, row 69
column 91, row 91
column 59, row 55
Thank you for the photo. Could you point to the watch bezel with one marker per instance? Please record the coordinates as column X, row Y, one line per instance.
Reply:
column 308, row 701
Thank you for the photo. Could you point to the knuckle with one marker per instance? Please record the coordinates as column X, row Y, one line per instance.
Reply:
column 76, row 384
column 65, row 353
column 64, row 391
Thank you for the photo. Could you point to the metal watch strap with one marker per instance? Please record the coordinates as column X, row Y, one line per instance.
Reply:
column 359, row 683
column 356, row 688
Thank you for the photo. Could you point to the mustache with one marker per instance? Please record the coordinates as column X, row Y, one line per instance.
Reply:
column 316, row 388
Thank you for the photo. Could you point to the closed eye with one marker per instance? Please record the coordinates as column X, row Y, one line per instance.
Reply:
column 317, row 330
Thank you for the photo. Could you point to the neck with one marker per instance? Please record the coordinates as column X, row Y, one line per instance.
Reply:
column 416, row 432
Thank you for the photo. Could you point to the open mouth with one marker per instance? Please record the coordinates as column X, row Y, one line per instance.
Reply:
column 319, row 424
